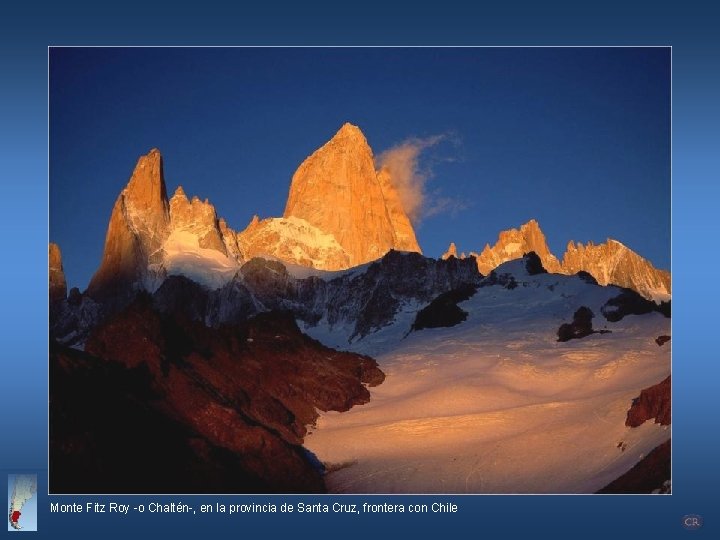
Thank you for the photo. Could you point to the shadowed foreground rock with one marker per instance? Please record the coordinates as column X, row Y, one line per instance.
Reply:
column 158, row 404
column 653, row 402
column 444, row 310
column 580, row 327
column 650, row 475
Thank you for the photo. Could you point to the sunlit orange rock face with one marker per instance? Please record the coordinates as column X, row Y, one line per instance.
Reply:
column 340, row 213
column 513, row 244
column 451, row 252
column 197, row 218
column 338, row 191
column 58, row 285
column 292, row 240
column 609, row 263
column 137, row 229
column 613, row 262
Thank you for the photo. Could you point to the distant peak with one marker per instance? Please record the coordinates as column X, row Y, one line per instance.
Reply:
column 617, row 243
column 153, row 157
column 180, row 192
column 147, row 182
column 451, row 252
column 531, row 224
column 347, row 127
column 351, row 132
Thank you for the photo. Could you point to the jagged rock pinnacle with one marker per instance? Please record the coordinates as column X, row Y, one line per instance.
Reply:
column 58, row 285
column 338, row 191
column 138, row 227
column 451, row 251
column 513, row 244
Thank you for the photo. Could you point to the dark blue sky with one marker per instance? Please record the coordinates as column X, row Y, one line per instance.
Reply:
column 577, row 138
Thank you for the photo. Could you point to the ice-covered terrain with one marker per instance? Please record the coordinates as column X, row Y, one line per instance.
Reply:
column 496, row 404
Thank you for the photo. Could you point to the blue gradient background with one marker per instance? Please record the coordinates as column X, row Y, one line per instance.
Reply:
column 26, row 32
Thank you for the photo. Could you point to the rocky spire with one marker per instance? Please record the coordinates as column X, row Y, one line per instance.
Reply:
column 337, row 191
column 58, row 285
column 451, row 252
column 137, row 229
column 198, row 218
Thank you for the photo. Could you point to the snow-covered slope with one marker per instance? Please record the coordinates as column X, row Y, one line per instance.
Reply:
column 294, row 240
column 183, row 256
column 496, row 404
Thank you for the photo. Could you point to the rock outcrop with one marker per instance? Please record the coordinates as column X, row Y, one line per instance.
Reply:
column 653, row 402
column 629, row 302
column 580, row 327
column 58, row 285
column 444, row 311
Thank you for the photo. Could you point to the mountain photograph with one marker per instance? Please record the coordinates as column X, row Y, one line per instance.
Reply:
column 359, row 270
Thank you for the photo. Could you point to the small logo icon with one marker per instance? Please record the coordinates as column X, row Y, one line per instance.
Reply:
column 692, row 522
column 22, row 502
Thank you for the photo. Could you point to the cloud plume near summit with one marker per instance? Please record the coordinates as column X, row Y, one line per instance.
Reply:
column 410, row 178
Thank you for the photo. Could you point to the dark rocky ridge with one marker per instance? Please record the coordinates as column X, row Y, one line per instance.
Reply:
column 367, row 298
column 232, row 403
column 629, row 302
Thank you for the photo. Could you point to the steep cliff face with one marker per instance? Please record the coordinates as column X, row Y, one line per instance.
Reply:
column 58, row 285
column 338, row 191
column 197, row 218
column 403, row 232
column 610, row 263
column 137, row 230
